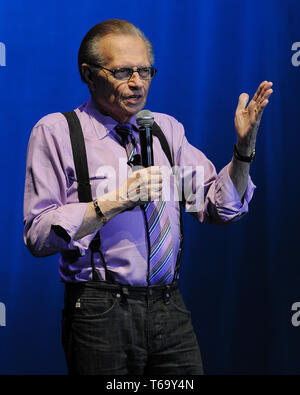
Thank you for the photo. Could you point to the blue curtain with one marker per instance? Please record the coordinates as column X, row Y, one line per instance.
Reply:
column 240, row 281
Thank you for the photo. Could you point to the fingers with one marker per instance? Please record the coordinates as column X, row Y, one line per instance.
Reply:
column 243, row 100
column 259, row 100
column 263, row 99
column 145, row 185
column 152, row 170
column 150, row 175
column 263, row 92
column 259, row 90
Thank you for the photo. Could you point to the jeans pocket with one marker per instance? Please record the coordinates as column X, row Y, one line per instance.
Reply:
column 178, row 303
column 95, row 307
column 95, row 323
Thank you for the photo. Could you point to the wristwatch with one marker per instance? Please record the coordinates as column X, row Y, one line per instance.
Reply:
column 242, row 158
column 98, row 211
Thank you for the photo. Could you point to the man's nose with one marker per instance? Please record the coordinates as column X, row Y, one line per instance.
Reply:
column 135, row 80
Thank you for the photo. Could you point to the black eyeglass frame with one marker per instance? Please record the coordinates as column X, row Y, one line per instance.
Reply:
column 152, row 69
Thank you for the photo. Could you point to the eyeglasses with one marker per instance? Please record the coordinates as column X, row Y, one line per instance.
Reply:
column 125, row 73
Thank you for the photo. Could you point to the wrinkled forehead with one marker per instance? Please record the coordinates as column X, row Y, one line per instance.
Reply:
column 122, row 48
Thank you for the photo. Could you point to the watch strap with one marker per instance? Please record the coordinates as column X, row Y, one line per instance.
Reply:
column 243, row 158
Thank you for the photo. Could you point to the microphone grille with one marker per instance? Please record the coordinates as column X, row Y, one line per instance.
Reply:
column 144, row 118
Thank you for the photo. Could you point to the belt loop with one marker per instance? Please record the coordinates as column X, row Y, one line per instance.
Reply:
column 125, row 294
column 167, row 294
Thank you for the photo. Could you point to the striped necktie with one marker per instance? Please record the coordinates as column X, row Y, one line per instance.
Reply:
column 126, row 139
column 158, row 224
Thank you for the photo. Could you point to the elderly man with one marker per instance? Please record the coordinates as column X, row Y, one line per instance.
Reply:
column 120, row 246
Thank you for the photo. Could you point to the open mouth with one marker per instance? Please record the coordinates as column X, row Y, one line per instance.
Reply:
column 134, row 99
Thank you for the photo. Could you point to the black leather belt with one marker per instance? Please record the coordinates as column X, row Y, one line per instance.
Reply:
column 75, row 290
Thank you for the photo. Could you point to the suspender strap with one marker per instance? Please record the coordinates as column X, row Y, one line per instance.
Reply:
column 95, row 246
column 79, row 155
column 83, row 180
column 156, row 131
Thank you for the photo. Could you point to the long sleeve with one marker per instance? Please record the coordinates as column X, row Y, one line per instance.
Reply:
column 212, row 197
column 50, row 223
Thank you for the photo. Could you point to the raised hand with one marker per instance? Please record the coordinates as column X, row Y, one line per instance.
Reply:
column 247, row 119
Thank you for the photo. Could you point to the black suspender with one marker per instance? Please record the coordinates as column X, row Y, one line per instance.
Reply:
column 83, row 181
column 79, row 155
column 156, row 131
column 84, row 186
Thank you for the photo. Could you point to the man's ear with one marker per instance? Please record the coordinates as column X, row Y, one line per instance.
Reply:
column 88, row 75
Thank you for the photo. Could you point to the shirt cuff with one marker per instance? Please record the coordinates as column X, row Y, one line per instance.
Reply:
column 228, row 202
column 68, row 219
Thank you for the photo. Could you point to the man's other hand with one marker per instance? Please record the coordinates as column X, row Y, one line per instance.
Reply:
column 247, row 119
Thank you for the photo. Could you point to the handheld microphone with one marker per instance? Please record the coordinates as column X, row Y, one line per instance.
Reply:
column 145, row 120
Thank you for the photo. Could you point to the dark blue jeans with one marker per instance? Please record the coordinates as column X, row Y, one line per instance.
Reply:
column 113, row 330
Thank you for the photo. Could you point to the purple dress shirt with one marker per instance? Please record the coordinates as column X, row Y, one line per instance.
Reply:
column 51, row 195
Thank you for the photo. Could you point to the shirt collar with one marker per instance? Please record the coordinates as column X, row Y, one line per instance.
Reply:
column 107, row 122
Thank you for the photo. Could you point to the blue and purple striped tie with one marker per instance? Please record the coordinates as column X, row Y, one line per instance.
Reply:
column 158, row 224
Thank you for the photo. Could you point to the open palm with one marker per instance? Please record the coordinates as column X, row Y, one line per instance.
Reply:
column 247, row 119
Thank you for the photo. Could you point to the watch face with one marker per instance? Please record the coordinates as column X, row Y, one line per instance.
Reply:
column 242, row 158
column 97, row 209
column 99, row 212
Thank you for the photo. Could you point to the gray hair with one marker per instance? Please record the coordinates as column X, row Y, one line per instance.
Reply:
column 89, row 49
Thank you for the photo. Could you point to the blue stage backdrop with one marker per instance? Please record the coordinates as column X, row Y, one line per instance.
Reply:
column 240, row 282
